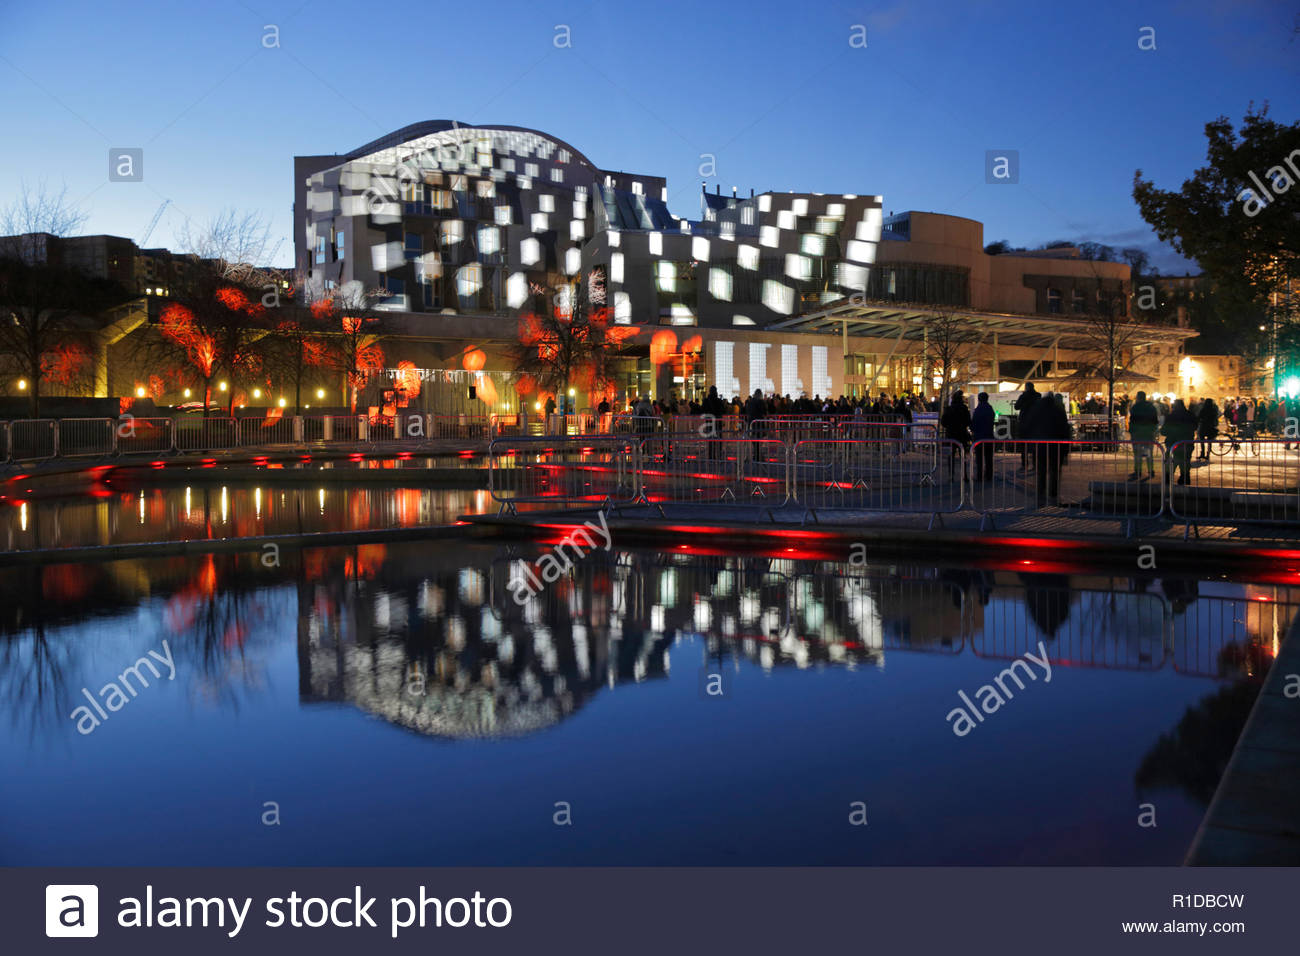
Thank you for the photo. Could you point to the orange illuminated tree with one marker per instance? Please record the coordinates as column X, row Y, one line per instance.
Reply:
column 49, row 314
column 348, row 314
column 215, row 328
column 571, row 341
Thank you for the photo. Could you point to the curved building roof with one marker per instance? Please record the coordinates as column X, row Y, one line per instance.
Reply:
column 425, row 128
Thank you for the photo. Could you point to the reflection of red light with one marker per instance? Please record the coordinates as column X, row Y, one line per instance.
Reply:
column 157, row 464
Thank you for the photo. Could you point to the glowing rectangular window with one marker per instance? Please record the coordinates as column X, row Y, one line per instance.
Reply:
column 720, row 284
column 821, row 377
column 790, row 384
column 758, row 367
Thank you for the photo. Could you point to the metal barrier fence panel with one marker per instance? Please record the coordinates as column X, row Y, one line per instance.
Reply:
column 855, row 429
column 1226, row 637
column 684, row 469
column 572, row 423
column 265, row 431
column 82, row 437
column 32, row 439
column 1112, row 630
column 1234, row 481
column 791, row 430
column 638, row 424
column 459, row 427
column 1086, row 478
column 896, row 474
column 143, row 436
column 586, row 470
column 205, row 434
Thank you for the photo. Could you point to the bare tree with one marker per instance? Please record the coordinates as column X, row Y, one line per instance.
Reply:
column 349, row 314
column 235, row 241
column 572, row 338
column 950, row 342
column 1109, row 334
column 47, row 311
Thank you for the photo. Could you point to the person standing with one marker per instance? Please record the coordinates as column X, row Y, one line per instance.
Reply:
column 1207, row 426
column 1142, row 424
column 1179, row 430
column 982, row 421
column 956, row 428
column 1028, row 398
column 1048, row 427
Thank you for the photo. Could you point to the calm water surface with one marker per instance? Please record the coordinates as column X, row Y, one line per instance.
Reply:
column 396, row 706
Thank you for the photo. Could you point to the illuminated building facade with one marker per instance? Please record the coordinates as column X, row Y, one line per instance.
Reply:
column 459, row 220
column 462, row 229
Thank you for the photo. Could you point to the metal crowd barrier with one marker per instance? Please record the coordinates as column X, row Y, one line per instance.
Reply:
column 1083, row 628
column 693, row 469
column 900, row 431
column 205, row 434
column 573, row 471
column 791, row 430
column 150, row 436
column 895, row 475
column 265, row 431
column 1233, row 486
column 1079, row 477
column 33, row 439
column 78, row 437
column 638, row 424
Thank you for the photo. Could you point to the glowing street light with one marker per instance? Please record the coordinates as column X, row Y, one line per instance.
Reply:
column 22, row 385
column 320, row 393
column 139, row 391
column 221, row 386
column 283, row 403
column 257, row 393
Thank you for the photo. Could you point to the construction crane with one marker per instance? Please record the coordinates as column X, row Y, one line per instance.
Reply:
column 153, row 222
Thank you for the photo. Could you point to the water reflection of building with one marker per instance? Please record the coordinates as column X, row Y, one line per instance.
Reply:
column 448, row 652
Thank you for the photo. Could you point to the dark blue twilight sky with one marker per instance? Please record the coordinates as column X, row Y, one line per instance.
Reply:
column 773, row 90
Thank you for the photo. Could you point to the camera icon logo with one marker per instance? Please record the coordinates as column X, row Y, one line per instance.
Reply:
column 71, row 910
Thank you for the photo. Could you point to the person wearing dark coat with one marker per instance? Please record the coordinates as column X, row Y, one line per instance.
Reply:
column 1179, row 430
column 1207, row 426
column 956, row 426
column 982, row 421
column 1028, row 398
column 1045, row 424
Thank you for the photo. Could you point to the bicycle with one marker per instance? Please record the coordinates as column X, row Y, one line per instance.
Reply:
column 1236, row 437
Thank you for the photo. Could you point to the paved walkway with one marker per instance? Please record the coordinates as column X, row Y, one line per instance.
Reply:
column 1254, row 819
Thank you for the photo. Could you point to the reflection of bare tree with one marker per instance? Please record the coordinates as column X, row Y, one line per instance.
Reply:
column 38, row 664
column 1195, row 753
column 210, row 620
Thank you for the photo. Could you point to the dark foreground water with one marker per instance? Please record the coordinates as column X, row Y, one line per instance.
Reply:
column 395, row 705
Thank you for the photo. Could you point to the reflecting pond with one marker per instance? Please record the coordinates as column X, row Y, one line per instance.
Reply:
column 393, row 704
